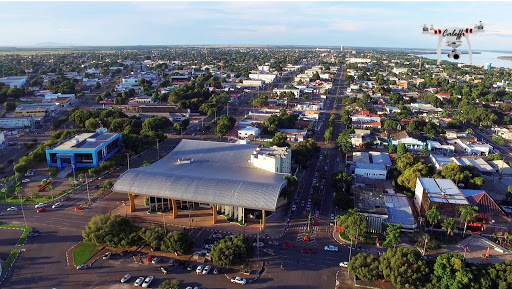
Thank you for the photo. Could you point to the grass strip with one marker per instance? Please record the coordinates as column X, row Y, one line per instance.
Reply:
column 12, row 257
column 83, row 253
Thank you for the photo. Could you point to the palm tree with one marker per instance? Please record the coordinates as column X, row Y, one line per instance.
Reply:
column 449, row 226
column 467, row 214
column 433, row 217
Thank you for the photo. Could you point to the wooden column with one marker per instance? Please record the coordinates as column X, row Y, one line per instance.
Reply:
column 214, row 212
column 262, row 219
column 131, row 199
column 174, row 209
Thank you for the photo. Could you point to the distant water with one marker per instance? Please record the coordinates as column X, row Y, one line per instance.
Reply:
column 478, row 59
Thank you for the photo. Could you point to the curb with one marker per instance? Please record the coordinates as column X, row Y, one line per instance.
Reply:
column 67, row 253
column 20, row 236
column 12, row 265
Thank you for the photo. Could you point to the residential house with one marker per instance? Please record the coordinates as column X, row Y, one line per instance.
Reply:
column 412, row 142
column 442, row 193
column 248, row 132
column 365, row 119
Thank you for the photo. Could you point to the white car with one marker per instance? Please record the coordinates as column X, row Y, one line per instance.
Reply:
column 56, row 205
column 199, row 269
column 331, row 248
column 40, row 205
column 258, row 244
column 107, row 255
column 294, row 208
column 207, row 269
column 332, row 216
column 344, row 264
column 148, row 281
column 217, row 236
column 139, row 281
column 155, row 260
column 26, row 181
column 83, row 266
column 12, row 209
column 208, row 246
column 126, row 278
column 239, row 280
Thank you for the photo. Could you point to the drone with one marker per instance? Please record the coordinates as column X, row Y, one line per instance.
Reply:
column 453, row 37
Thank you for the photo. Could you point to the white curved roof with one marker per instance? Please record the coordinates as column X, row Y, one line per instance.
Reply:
column 220, row 173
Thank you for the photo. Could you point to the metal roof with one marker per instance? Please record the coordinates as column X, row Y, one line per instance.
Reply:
column 219, row 173
column 443, row 191
column 479, row 163
column 84, row 141
column 399, row 211
column 381, row 158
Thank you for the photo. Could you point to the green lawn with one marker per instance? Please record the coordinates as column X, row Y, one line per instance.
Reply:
column 11, row 258
column 23, row 238
column 83, row 253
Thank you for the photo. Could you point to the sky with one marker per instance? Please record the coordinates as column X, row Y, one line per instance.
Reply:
column 367, row 24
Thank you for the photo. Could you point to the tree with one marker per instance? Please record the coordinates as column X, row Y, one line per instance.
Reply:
column 449, row 226
column 365, row 267
column 153, row 236
column 354, row 224
column 292, row 184
column 92, row 124
column 401, row 149
column 393, row 235
column 232, row 251
column 108, row 183
column 178, row 242
column 9, row 106
column 328, row 135
column 280, row 140
column 392, row 149
column 260, row 101
column 405, row 161
column 404, row 267
column 494, row 157
column 449, row 273
column 433, row 216
column 509, row 192
column 342, row 181
column 113, row 230
column 224, row 125
column 344, row 143
column 409, row 176
column 501, row 274
column 173, row 284
column 467, row 214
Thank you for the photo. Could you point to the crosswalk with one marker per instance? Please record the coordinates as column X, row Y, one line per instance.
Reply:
column 304, row 226
column 312, row 236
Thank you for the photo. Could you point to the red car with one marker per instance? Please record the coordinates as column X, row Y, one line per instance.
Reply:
column 41, row 210
column 79, row 208
column 288, row 245
column 306, row 251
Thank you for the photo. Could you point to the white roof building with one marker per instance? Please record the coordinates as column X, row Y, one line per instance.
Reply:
column 14, row 81
column 478, row 163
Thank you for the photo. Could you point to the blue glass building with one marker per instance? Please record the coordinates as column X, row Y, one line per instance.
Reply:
column 84, row 150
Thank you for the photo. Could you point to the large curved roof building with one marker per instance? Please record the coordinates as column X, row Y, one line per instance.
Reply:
column 224, row 174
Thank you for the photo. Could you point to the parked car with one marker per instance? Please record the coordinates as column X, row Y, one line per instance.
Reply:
column 126, row 278
column 273, row 242
column 26, row 181
column 199, row 269
column 216, row 271
column 56, row 205
column 344, row 264
column 15, row 209
column 208, row 246
column 190, row 267
column 207, row 269
column 155, row 260
column 270, row 252
column 41, row 210
column 172, row 262
column 40, row 205
column 82, row 267
column 239, row 280
column 139, row 281
column 148, row 281
column 79, row 208
column 288, row 245
column 258, row 244
column 107, row 255
column 217, row 236
column 331, row 248
column 332, row 216
column 294, row 208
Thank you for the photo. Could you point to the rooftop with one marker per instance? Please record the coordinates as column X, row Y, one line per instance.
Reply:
column 84, row 141
column 443, row 191
column 399, row 211
column 220, row 174
column 484, row 202
column 381, row 158
column 478, row 163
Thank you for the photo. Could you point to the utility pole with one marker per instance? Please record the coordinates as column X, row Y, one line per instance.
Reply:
column 258, row 241
column 23, row 211
column 425, row 245
column 87, row 187
column 157, row 150
column 163, row 218
column 349, row 255
column 128, row 158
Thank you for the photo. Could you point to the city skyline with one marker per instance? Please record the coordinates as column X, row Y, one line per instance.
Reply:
column 358, row 24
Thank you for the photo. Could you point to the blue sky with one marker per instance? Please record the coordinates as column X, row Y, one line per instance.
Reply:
column 374, row 24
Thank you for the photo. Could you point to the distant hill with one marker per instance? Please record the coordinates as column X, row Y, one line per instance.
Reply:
column 50, row 44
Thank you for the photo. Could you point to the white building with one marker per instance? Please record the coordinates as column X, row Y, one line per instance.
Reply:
column 14, row 81
column 248, row 132
column 51, row 97
column 16, row 122
column 440, row 161
column 3, row 139
column 127, row 83
column 284, row 90
column 266, row 77
column 371, row 171
column 477, row 149
column 252, row 83
column 478, row 163
column 274, row 159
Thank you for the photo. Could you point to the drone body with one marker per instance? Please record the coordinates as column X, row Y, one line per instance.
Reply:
column 453, row 37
